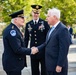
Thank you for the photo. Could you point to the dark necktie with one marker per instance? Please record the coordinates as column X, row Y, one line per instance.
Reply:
column 35, row 22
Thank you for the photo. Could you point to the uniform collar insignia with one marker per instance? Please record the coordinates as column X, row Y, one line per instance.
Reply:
column 12, row 27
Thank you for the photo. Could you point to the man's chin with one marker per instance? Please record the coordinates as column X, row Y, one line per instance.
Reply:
column 48, row 23
column 23, row 24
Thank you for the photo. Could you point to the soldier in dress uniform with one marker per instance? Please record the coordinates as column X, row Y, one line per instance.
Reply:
column 13, row 58
column 36, row 31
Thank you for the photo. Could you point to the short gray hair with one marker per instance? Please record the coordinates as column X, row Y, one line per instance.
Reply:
column 54, row 12
column 12, row 20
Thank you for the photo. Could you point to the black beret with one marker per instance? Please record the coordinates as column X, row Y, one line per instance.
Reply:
column 16, row 14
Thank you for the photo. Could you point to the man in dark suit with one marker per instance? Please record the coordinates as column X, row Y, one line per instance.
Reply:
column 56, row 45
column 13, row 58
column 70, row 29
column 71, row 32
column 36, row 31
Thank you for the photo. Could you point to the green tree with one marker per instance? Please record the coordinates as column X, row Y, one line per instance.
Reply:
column 67, row 8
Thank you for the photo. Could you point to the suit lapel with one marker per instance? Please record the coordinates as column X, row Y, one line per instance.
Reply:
column 54, row 31
column 47, row 35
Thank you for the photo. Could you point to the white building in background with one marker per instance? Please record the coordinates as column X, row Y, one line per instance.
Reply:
column 2, row 23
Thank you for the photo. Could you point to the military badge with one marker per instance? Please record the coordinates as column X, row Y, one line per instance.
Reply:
column 41, row 27
column 37, row 7
column 13, row 33
column 12, row 27
column 29, row 28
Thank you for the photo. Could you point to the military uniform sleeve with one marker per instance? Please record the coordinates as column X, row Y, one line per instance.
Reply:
column 15, row 44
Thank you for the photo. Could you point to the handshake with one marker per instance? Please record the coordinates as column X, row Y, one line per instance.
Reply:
column 34, row 50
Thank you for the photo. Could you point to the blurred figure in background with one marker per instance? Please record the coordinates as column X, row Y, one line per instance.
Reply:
column 70, row 31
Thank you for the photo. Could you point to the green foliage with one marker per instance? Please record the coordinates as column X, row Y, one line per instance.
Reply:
column 67, row 7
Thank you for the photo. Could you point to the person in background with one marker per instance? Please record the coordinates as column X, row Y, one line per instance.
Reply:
column 13, row 58
column 70, row 31
column 36, row 31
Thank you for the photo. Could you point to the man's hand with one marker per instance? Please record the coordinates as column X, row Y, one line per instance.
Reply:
column 34, row 50
column 58, row 69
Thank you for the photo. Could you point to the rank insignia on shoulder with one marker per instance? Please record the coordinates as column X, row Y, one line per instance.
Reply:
column 13, row 33
column 12, row 27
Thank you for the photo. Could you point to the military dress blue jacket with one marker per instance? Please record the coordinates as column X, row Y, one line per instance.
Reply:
column 13, row 58
column 36, row 33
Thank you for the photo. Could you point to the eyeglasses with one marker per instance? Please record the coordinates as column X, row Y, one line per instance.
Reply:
column 36, row 13
column 21, row 17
